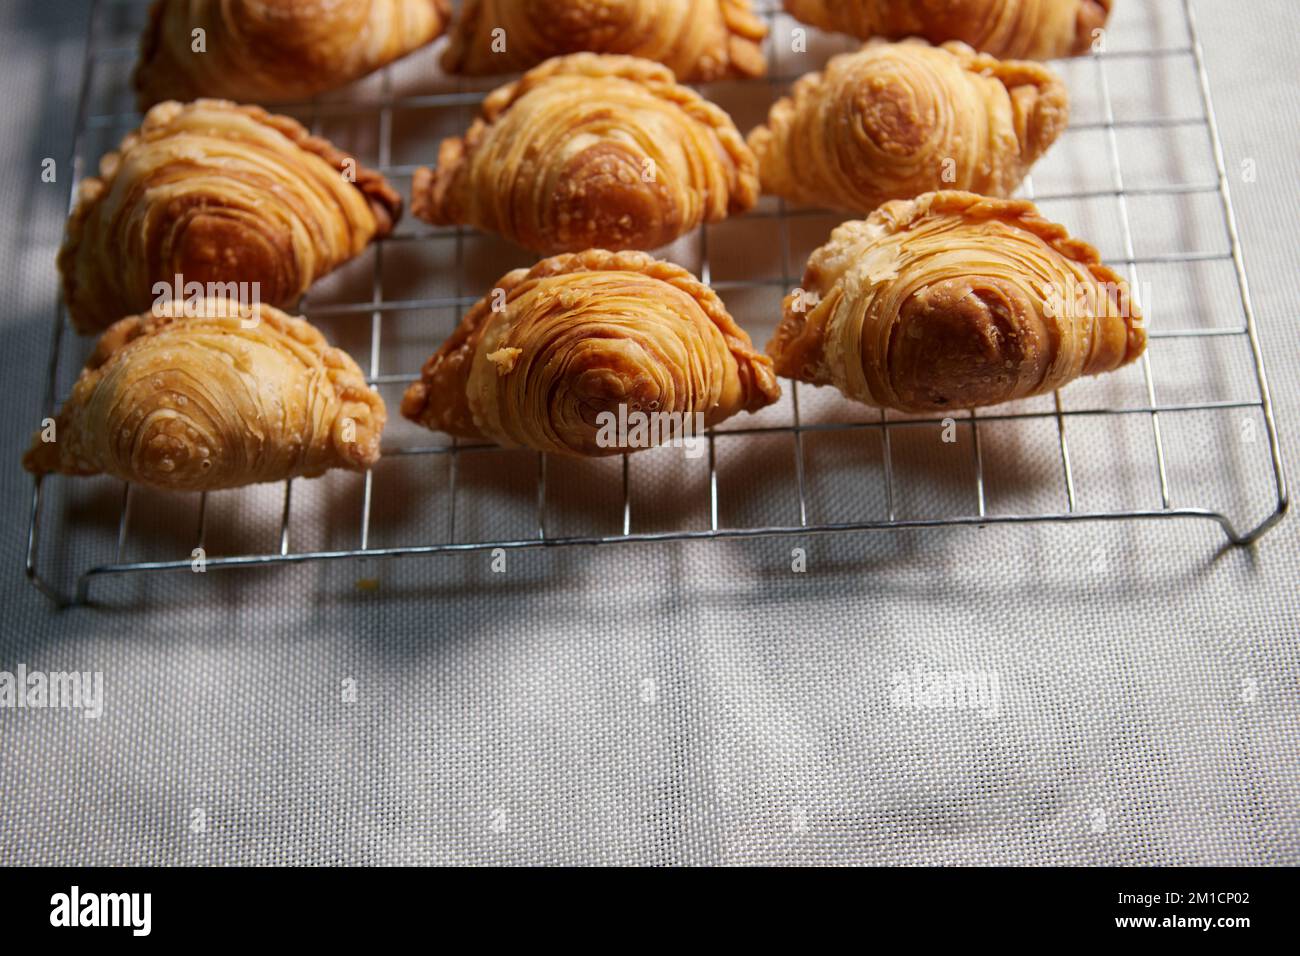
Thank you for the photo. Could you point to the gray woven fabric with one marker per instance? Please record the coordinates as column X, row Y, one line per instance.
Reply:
column 1127, row 692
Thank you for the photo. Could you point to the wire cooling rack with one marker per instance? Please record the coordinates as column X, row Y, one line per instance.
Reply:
column 1186, row 433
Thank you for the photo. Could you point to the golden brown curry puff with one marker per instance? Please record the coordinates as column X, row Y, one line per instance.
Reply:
column 1023, row 29
column 276, row 51
column 698, row 41
column 591, row 151
column 895, row 120
column 954, row 300
column 559, row 351
column 212, row 192
column 218, row 397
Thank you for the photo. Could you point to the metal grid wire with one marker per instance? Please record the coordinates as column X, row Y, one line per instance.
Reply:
column 798, row 431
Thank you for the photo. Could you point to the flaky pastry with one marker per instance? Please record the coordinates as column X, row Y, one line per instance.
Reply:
column 1023, row 29
column 954, row 300
column 698, row 41
column 275, row 51
column 230, row 396
column 538, row 362
column 211, row 192
column 895, row 120
column 591, row 151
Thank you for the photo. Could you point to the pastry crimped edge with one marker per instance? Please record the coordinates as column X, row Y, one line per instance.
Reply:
column 443, row 372
column 357, row 400
column 1049, row 119
column 431, row 187
column 385, row 203
column 745, row 34
column 898, row 215
column 1051, row 115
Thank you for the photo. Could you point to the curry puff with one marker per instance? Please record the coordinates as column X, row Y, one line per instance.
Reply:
column 952, row 301
column 590, row 151
column 216, row 193
column 560, row 350
column 211, row 395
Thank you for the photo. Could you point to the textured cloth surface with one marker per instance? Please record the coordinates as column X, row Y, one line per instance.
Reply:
column 1134, row 688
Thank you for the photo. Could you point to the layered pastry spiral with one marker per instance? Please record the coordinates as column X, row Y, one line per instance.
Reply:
column 954, row 300
column 1024, row 29
column 591, row 151
column 895, row 120
column 698, row 41
column 276, row 51
column 538, row 362
column 222, row 398
column 211, row 192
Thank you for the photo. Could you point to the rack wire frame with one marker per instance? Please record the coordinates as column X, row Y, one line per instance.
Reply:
column 797, row 430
